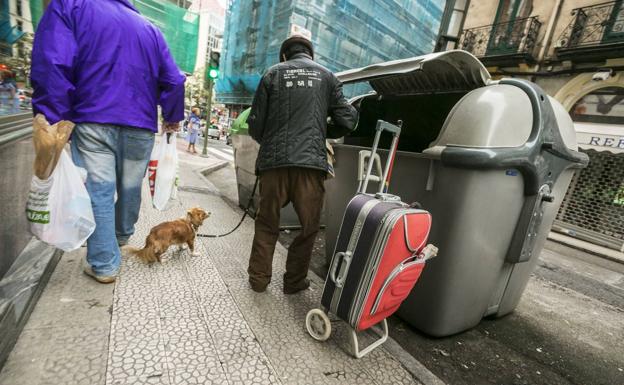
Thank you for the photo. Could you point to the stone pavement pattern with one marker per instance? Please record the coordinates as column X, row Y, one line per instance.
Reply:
column 66, row 338
column 194, row 320
column 191, row 320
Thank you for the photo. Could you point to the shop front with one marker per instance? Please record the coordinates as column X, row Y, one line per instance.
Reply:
column 593, row 208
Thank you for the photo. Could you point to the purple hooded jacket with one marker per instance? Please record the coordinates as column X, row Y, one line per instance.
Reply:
column 102, row 62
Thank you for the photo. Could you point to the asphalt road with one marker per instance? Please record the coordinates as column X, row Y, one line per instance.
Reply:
column 217, row 149
column 567, row 329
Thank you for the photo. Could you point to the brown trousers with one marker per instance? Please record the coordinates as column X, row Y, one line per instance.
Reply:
column 303, row 187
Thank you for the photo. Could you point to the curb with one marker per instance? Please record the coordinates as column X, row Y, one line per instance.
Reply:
column 211, row 169
column 580, row 246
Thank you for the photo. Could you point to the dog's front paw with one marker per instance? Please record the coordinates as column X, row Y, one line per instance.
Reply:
column 195, row 254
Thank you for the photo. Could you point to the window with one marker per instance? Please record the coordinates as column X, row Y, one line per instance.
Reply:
column 605, row 105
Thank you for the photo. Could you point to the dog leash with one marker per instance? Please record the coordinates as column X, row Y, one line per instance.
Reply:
column 253, row 192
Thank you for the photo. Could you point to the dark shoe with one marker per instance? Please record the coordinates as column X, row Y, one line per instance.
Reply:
column 296, row 289
column 122, row 242
column 100, row 278
column 257, row 288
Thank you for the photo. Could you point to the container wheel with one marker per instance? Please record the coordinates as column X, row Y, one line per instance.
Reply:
column 318, row 324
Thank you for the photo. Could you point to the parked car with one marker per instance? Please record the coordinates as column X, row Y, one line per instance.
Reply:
column 214, row 132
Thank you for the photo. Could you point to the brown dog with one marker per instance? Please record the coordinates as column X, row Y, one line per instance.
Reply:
column 179, row 232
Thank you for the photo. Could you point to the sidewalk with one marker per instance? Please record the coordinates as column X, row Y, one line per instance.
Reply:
column 191, row 320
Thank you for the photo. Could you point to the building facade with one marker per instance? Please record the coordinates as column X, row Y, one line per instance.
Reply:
column 574, row 50
column 211, row 25
column 346, row 34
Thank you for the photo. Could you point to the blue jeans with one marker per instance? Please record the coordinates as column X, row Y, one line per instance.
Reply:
column 115, row 158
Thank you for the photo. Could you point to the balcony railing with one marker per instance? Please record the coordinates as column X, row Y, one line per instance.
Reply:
column 594, row 29
column 513, row 39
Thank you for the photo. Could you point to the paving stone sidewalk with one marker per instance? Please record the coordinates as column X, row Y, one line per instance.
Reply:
column 194, row 320
column 190, row 320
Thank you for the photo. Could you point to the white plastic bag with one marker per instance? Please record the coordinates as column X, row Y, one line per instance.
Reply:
column 164, row 161
column 59, row 208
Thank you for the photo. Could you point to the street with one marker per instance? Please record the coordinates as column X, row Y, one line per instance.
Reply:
column 189, row 320
column 568, row 328
column 216, row 148
column 170, row 324
column 455, row 167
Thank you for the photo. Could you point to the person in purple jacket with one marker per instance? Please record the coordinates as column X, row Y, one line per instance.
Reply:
column 103, row 66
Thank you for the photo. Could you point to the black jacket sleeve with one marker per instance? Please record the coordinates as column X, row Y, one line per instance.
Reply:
column 259, row 108
column 344, row 117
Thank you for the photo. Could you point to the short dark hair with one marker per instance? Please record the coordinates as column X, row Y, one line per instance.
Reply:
column 296, row 48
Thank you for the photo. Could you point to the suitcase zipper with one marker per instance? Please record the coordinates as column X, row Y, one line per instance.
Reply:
column 427, row 252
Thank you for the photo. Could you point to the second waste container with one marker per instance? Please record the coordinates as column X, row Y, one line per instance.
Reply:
column 491, row 161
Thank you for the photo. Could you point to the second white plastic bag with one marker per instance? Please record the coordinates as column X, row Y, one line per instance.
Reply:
column 164, row 160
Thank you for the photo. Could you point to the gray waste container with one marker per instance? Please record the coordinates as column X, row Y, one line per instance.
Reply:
column 490, row 160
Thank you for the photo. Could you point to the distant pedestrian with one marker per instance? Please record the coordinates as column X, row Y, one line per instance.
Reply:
column 194, row 125
column 288, row 119
column 6, row 96
column 16, row 101
column 103, row 66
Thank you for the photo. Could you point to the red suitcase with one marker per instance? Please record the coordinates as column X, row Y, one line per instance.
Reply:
column 380, row 253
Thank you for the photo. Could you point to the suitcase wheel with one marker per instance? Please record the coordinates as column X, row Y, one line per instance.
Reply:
column 318, row 324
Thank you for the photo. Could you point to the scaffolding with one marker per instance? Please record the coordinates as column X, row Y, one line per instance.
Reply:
column 36, row 11
column 346, row 34
column 179, row 26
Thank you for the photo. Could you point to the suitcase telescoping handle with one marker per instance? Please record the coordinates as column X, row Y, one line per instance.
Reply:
column 385, row 180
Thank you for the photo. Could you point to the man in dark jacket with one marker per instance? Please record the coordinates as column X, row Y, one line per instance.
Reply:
column 289, row 120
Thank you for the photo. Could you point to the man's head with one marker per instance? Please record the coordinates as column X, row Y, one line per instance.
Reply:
column 293, row 45
column 195, row 110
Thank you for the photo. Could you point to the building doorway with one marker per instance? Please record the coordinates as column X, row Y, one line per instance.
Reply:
column 593, row 208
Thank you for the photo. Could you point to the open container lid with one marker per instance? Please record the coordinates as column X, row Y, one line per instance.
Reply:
column 448, row 71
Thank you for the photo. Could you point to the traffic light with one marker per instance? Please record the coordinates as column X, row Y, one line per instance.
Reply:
column 213, row 65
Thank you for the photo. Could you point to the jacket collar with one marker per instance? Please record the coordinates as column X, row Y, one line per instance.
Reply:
column 300, row 55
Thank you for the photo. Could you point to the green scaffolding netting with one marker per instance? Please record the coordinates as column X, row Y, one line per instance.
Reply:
column 345, row 33
column 36, row 11
column 179, row 26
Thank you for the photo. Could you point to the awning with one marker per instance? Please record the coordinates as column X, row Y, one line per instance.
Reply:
column 600, row 137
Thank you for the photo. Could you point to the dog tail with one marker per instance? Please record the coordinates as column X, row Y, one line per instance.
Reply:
column 145, row 254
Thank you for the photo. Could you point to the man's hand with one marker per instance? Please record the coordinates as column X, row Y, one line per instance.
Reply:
column 170, row 127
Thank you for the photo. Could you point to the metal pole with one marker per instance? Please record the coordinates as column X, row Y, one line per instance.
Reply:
column 208, row 114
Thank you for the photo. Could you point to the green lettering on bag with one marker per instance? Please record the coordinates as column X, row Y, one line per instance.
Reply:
column 42, row 217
